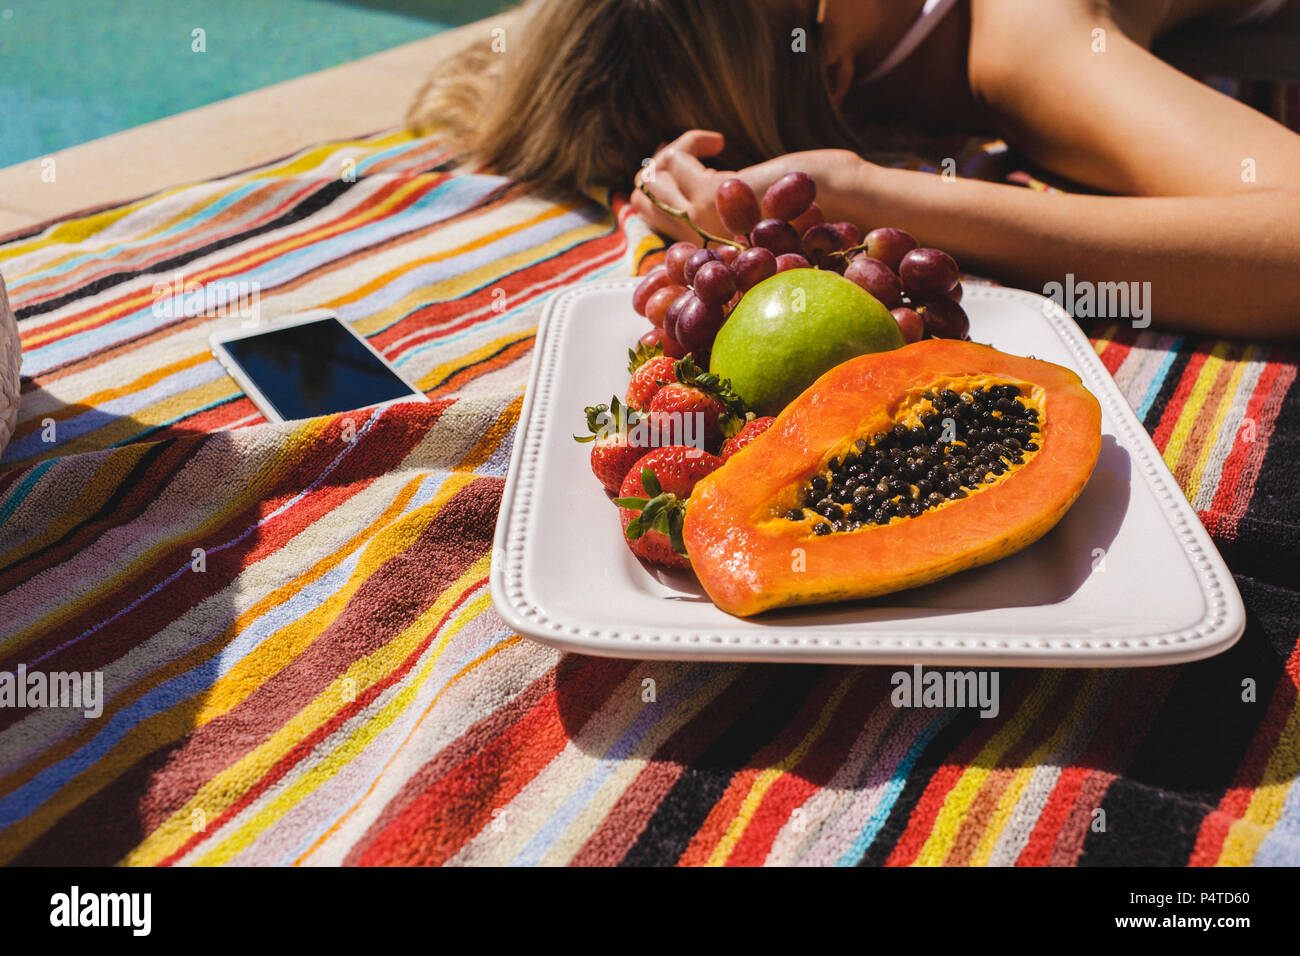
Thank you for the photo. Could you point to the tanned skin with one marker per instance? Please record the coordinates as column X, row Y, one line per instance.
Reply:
column 1202, row 193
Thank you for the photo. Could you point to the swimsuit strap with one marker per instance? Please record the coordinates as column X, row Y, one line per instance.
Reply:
column 1264, row 10
column 931, row 13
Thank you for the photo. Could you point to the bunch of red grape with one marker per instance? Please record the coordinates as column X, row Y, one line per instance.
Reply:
column 920, row 286
column 689, row 297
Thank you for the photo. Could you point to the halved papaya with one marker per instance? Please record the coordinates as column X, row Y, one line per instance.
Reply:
column 893, row 470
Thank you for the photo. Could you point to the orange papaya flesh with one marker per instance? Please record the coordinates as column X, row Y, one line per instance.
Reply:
column 961, row 487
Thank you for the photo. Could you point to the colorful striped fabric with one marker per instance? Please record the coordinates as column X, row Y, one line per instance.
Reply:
column 301, row 663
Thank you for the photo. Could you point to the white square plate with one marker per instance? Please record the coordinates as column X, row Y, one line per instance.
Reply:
column 1129, row 577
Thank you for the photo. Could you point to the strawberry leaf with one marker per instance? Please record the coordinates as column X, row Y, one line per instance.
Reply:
column 732, row 424
column 663, row 513
column 688, row 373
column 641, row 354
column 650, row 482
column 676, row 518
column 686, row 370
column 604, row 419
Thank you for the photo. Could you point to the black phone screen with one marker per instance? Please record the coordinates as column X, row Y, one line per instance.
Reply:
column 316, row 368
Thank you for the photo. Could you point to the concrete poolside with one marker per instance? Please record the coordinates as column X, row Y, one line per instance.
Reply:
column 363, row 96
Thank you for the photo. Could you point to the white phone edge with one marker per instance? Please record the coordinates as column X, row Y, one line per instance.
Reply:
column 217, row 342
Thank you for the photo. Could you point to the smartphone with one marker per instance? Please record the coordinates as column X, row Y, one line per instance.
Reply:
column 309, row 364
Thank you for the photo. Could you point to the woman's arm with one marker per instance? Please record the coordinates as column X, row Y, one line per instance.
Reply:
column 1225, row 265
column 1213, row 225
column 1221, row 265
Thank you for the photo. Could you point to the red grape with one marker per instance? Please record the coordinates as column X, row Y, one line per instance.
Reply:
column 675, row 311
column 928, row 272
column 714, row 283
column 696, row 260
column 850, row 235
column 675, row 260
column 955, row 292
column 910, row 324
column 944, row 318
column 791, row 260
column 655, row 280
column 657, row 306
column 728, row 253
column 819, row 241
column 877, row 278
column 753, row 266
column 662, row 339
column 789, row 197
column 698, row 323
column 810, row 217
column 889, row 245
column 776, row 235
column 737, row 205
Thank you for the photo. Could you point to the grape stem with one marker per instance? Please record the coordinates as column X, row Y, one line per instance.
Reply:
column 848, row 254
column 684, row 217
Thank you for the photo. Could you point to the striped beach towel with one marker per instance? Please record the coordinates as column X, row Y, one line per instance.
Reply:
column 300, row 662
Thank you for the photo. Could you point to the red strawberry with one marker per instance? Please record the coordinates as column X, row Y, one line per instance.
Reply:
column 613, row 453
column 687, row 414
column 652, row 502
column 647, row 378
column 753, row 428
column 697, row 400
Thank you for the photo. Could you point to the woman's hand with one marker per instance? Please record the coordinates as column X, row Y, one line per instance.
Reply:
column 678, row 179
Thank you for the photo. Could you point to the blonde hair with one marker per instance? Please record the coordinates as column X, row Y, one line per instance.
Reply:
column 585, row 90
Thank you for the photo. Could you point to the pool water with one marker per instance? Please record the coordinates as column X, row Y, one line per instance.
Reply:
column 75, row 70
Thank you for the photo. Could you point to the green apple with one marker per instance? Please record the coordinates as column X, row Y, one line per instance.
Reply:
column 790, row 329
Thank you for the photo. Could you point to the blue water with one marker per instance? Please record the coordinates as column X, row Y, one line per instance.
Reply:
column 75, row 70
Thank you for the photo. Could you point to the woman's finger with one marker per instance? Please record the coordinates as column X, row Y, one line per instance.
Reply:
column 699, row 142
column 659, row 221
column 663, row 184
column 674, row 175
column 691, row 176
column 695, row 142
